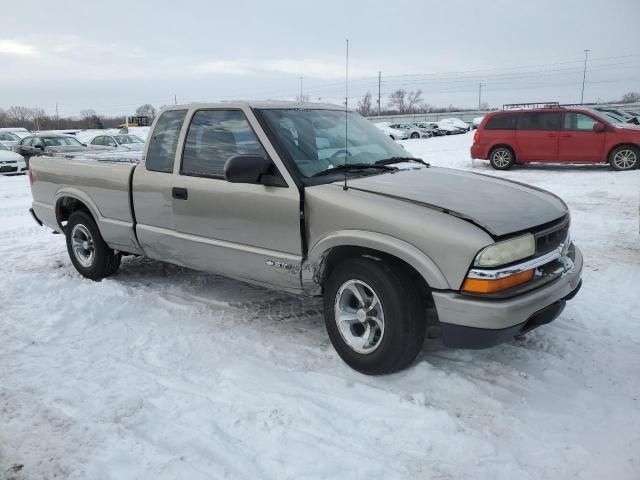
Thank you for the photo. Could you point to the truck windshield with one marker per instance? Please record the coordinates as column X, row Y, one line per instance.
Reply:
column 315, row 139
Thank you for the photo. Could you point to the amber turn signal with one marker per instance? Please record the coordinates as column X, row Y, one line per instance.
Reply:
column 477, row 285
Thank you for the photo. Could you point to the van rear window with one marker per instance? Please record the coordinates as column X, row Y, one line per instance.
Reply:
column 501, row 122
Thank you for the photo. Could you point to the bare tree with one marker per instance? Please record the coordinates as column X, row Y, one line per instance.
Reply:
column 146, row 110
column 414, row 100
column 20, row 115
column 364, row 105
column 631, row 97
column 405, row 102
column 484, row 106
column 397, row 100
column 87, row 113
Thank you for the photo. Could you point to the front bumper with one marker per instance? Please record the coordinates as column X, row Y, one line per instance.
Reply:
column 472, row 322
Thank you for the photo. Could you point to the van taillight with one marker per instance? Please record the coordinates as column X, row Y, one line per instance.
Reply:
column 476, row 136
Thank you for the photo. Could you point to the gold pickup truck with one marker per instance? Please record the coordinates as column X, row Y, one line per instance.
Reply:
column 315, row 200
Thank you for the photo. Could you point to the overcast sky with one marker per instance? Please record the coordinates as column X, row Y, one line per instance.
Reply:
column 113, row 56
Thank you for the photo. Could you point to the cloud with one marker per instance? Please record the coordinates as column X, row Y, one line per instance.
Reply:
column 14, row 48
column 313, row 68
column 225, row 67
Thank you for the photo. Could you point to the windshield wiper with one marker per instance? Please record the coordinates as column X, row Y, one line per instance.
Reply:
column 391, row 160
column 355, row 166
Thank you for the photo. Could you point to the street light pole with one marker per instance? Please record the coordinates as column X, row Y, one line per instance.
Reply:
column 584, row 75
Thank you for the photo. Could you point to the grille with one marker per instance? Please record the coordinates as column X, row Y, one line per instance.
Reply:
column 550, row 239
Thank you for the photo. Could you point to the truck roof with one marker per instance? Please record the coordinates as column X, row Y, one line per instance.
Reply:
column 263, row 104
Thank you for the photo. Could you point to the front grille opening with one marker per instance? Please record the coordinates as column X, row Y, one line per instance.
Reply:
column 549, row 240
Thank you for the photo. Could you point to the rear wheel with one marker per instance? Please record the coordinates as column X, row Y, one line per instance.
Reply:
column 374, row 316
column 415, row 135
column 501, row 158
column 91, row 256
column 624, row 158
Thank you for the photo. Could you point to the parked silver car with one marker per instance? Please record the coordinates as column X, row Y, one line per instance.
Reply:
column 114, row 142
column 47, row 143
column 312, row 200
column 432, row 127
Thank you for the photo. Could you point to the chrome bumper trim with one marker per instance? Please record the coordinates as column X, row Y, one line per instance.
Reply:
column 496, row 274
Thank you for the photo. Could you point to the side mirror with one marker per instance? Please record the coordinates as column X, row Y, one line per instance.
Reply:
column 39, row 146
column 253, row 169
column 84, row 144
column 599, row 127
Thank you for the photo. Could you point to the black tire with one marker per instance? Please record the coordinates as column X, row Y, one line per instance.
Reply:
column 404, row 316
column 502, row 158
column 104, row 262
column 415, row 135
column 624, row 157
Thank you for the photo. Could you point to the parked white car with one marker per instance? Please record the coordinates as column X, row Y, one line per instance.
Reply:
column 456, row 122
column 412, row 130
column 394, row 133
column 449, row 128
column 11, row 162
column 476, row 122
column 8, row 139
column 113, row 142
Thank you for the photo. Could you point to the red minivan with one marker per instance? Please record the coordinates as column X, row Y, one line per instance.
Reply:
column 556, row 135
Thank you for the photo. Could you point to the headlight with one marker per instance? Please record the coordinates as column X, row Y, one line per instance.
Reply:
column 506, row 252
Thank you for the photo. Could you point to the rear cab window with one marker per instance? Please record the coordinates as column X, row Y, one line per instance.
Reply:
column 164, row 141
column 214, row 136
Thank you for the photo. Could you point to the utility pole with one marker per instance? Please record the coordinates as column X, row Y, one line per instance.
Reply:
column 584, row 74
column 175, row 98
column 379, row 82
column 301, row 98
column 57, row 116
column 480, row 96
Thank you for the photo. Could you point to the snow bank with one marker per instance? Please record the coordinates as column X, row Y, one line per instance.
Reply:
column 162, row 372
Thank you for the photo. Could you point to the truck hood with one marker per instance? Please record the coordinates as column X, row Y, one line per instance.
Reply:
column 498, row 206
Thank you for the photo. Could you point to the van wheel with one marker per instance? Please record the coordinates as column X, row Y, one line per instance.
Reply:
column 501, row 158
column 373, row 314
column 624, row 158
column 91, row 256
column 415, row 135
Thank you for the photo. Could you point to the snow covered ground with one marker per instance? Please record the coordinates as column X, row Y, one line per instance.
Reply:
column 165, row 373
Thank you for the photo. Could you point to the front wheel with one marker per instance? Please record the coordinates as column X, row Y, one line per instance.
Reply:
column 415, row 135
column 502, row 158
column 373, row 315
column 624, row 158
column 89, row 253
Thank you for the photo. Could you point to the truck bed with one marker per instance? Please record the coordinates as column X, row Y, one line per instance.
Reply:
column 102, row 182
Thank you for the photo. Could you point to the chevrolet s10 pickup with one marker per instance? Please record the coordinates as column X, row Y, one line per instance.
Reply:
column 315, row 200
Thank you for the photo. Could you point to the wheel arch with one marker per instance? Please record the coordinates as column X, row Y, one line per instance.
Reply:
column 330, row 250
column 618, row 145
column 504, row 145
column 71, row 200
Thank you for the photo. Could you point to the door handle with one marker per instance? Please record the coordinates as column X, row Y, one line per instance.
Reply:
column 566, row 135
column 552, row 135
column 179, row 193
